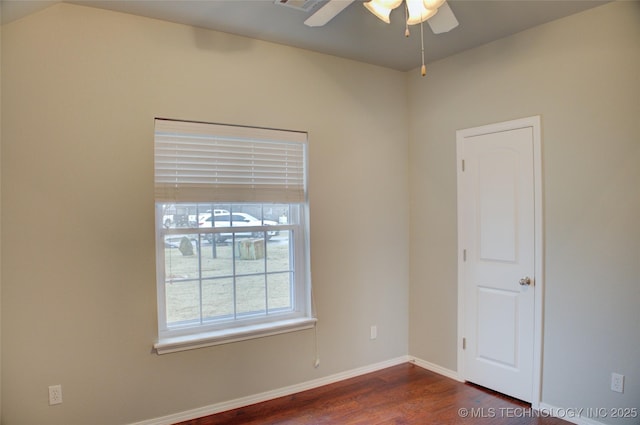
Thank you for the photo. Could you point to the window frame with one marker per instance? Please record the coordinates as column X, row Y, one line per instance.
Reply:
column 214, row 332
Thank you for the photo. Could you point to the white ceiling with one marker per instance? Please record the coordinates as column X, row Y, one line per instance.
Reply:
column 355, row 33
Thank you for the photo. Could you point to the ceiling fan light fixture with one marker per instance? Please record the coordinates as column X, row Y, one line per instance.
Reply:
column 382, row 8
column 391, row 4
column 433, row 4
column 418, row 13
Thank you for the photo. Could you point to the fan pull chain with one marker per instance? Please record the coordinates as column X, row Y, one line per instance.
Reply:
column 423, row 70
column 406, row 19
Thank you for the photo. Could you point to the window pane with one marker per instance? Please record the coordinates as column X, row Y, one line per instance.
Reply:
column 279, row 252
column 280, row 290
column 180, row 257
column 216, row 259
column 179, row 215
column 183, row 302
column 282, row 212
column 251, row 212
column 193, row 257
column 249, row 256
column 251, row 295
column 217, row 299
column 216, row 271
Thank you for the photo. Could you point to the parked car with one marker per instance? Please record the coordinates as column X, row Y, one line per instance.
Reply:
column 237, row 219
column 207, row 214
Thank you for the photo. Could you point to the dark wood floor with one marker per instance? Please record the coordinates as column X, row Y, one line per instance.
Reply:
column 403, row 394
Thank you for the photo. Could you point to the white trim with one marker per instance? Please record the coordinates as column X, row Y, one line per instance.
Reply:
column 539, row 261
column 572, row 415
column 228, row 335
column 534, row 123
column 270, row 395
column 451, row 374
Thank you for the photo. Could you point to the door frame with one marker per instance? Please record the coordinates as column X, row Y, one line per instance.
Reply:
column 534, row 123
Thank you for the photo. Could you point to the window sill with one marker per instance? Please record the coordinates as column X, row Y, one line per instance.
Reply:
column 207, row 339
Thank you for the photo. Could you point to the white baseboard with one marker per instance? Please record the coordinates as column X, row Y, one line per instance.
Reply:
column 273, row 394
column 569, row 415
column 436, row 368
column 573, row 415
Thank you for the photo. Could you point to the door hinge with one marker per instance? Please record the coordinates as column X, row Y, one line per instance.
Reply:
column 464, row 255
column 463, row 165
column 464, row 343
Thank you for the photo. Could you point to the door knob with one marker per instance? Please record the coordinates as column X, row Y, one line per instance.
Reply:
column 525, row 281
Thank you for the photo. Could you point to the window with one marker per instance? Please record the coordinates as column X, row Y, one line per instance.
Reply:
column 232, row 246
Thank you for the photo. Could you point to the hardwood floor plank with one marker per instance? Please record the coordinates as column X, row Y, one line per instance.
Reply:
column 404, row 395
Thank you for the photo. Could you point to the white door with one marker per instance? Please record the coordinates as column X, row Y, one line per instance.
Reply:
column 497, row 266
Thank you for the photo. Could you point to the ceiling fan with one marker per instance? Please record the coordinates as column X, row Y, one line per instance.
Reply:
column 437, row 13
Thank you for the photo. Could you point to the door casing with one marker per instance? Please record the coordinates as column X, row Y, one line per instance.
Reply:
column 534, row 123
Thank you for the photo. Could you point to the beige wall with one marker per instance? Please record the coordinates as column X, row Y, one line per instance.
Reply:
column 0, row 214
column 81, row 87
column 581, row 74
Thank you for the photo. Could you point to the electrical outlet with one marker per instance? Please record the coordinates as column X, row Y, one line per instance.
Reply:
column 55, row 394
column 373, row 332
column 617, row 382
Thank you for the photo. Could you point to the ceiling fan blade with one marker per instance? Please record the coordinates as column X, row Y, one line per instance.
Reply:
column 444, row 20
column 327, row 12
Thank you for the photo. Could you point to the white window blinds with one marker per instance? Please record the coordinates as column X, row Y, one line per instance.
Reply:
column 200, row 162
